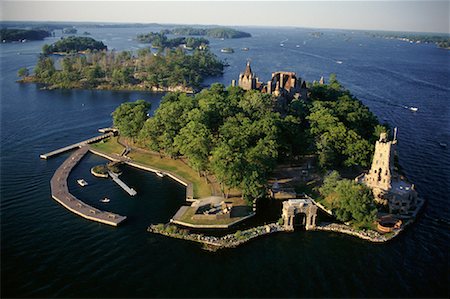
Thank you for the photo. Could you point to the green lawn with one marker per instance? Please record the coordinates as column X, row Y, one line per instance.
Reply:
column 200, row 187
column 109, row 146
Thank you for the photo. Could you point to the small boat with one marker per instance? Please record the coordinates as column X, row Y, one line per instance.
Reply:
column 443, row 144
column 245, row 49
column 106, row 199
column 227, row 50
column 338, row 62
column 281, row 45
column 413, row 109
column 297, row 46
column 160, row 174
column 82, row 182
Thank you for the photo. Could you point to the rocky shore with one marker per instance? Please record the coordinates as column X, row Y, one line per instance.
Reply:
column 369, row 235
column 212, row 243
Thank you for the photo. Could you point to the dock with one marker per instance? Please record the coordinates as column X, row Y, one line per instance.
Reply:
column 73, row 146
column 60, row 193
column 119, row 182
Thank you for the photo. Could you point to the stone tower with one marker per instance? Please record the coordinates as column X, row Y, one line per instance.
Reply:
column 247, row 80
column 382, row 170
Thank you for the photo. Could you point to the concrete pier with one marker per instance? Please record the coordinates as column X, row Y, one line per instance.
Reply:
column 60, row 193
column 79, row 144
column 119, row 182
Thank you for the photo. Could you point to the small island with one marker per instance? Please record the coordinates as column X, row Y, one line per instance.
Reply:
column 20, row 35
column 73, row 44
column 441, row 40
column 69, row 30
column 219, row 32
column 167, row 70
column 160, row 41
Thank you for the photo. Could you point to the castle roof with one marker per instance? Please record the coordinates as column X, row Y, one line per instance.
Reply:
column 248, row 70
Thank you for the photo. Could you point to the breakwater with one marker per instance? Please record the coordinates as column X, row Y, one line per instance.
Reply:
column 212, row 243
column 60, row 193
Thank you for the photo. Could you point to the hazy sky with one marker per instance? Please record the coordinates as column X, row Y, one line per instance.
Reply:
column 428, row 16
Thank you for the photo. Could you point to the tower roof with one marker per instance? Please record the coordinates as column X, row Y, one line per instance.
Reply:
column 248, row 70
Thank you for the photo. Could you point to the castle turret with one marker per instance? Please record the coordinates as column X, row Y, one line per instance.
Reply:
column 380, row 174
column 247, row 79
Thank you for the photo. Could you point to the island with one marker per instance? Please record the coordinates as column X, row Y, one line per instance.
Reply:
column 20, row 35
column 309, row 145
column 96, row 68
column 73, row 44
column 305, row 144
column 441, row 40
column 218, row 32
column 160, row 40
column 69, row 30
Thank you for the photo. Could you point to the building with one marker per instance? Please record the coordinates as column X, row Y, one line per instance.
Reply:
column 248, row 80
column 299, row 212
column 286, row 86
column 389, row 188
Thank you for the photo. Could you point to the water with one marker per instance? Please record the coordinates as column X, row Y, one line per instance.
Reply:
column 46, row 251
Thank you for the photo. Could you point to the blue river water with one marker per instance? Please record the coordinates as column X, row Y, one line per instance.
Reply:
column 46, row 251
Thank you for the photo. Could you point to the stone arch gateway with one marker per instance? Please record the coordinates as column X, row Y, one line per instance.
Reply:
column 293, row 208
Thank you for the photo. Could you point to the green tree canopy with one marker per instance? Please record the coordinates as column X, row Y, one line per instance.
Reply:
column 130, row 117
column 349, row 200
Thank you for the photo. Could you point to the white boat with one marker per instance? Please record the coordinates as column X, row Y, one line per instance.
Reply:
column 297, row 46
column 281, row 45
column 82, row 182
column 160, row 174
column 106, row 199
column 338, row 62
column 413, row 109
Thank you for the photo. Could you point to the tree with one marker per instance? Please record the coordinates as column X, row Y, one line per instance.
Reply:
column 194, row 141
column 23, row 72
column 130, row 117
column 348, row 200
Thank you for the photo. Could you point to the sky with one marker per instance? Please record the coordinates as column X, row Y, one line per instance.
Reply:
column 399, row 15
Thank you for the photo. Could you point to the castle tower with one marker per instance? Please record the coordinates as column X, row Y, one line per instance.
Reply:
column 247, row 79
column 382, row 170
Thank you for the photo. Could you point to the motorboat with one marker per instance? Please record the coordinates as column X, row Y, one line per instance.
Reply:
column 413, row 109
column 106, row 199
column 227, row 50
column 160, row 174
column 338, row 61
column 82, row 182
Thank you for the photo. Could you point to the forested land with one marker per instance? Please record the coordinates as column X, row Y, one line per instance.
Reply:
column 218, row 32
column 73, row 44
column 237, row 135
column 441, row 40
column 160, row 40
column 10, row 35
column 166, row 70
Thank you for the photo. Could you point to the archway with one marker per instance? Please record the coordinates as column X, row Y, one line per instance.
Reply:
column 300, row 221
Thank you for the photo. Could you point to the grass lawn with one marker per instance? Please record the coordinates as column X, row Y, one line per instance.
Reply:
column 109, row 146
column 201, row 188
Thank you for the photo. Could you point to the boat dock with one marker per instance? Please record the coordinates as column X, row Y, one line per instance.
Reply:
column 79, row 144
column 60, row 193
column 119, row 182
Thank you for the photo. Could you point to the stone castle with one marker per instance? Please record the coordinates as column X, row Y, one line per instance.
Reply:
column 389, row 188
column 286, row 86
